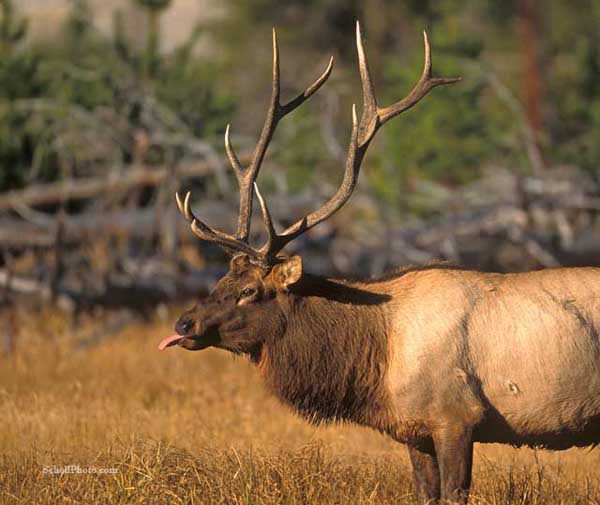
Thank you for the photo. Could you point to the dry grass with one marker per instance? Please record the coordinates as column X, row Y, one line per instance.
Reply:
column 182, row 427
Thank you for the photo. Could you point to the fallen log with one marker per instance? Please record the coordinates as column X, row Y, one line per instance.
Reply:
column 120, row 179
column 139, row 295
column 136, row 222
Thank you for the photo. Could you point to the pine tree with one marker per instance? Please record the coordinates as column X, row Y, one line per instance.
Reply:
column 154, row 9
column 13, row 27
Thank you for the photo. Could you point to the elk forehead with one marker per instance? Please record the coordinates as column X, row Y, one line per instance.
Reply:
column 234, row 281
column 242, row 263
column 244, row 270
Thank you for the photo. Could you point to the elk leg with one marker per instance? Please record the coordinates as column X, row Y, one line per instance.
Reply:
column 426, row 474
column 454, row 449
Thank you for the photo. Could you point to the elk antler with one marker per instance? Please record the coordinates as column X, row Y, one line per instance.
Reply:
column 247, row 175
column 205, row 232
column 373, row 117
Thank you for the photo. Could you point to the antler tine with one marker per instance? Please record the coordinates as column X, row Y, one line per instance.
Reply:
column 275, row 113
column 426, row 83
column 369, row 98
column 277, row 242
column 205, row 232
column 180, row 205
column 267, row 220
column 233, row 159
column 308, row 92
column 371, row 120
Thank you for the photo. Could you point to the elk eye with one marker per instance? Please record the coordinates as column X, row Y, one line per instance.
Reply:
column 247, row 292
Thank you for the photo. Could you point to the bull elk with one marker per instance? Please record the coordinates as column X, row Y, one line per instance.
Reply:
column 436, row 356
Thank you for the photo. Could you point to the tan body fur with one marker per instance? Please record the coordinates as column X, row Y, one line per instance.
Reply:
column 515, row 355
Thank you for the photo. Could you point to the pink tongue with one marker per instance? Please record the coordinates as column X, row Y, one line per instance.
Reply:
column 169, row 341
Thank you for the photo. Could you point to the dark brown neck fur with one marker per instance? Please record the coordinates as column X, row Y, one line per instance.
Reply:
column 331, row 361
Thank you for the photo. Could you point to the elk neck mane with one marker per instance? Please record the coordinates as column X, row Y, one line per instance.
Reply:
column 331, row 361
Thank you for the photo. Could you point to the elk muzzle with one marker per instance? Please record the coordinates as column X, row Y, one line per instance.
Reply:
column 193, row 332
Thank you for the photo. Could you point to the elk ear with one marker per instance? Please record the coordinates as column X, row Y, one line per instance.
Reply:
column 287, row 273
column 239, row 263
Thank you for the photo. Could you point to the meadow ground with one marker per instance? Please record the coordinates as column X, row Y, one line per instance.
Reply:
column 182, row 427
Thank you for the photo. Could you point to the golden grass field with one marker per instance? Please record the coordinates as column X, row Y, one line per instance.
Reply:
column 183, row 427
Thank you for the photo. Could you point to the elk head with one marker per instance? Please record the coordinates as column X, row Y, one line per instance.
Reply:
column 251, row 301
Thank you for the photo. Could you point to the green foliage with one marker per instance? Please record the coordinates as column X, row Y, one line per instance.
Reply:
column 183, row 87
column 572, row 54
column 442, row 138
column 13, row 27
column 446, row 139
column 151, row 59
column 301, row 163
column 55, row 97
column 457, row 130
column 155, row 5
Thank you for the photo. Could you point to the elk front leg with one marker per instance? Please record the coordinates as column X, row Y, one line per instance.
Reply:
column 454, row 450
column 426, row 474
